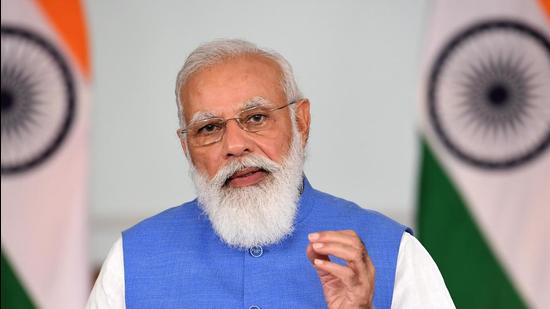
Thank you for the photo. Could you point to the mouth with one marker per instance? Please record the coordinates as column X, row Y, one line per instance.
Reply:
column 246, row 177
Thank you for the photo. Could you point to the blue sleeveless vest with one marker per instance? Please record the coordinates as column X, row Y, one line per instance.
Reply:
column 175, row 260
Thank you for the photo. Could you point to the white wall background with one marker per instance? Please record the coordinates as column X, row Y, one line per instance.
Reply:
column 357, row 61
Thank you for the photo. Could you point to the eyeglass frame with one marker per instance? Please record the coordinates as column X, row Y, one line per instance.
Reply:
column 181, row 132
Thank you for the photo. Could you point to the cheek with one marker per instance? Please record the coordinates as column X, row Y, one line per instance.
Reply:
column 277, row 142
column 205, row 162
column 277, row 147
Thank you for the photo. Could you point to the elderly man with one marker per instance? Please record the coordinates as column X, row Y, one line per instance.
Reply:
column 259, row 235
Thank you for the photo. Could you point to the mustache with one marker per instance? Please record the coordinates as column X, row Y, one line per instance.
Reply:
column 250, row 161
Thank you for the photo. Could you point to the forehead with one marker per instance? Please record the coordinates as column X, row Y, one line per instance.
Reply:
column 224, row 87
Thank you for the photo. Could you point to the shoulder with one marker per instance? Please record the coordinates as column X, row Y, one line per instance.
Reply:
column 338, row 209
column 186, row 215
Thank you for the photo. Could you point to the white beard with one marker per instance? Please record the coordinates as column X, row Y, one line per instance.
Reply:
column 256, row 215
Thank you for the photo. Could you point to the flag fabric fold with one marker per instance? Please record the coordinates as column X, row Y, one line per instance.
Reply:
column 485, row 159
column 45, row 109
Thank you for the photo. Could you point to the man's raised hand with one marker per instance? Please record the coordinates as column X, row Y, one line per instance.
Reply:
column 349, row 286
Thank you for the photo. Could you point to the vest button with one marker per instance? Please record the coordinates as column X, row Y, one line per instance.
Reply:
column 254, row 307
column 256, row 251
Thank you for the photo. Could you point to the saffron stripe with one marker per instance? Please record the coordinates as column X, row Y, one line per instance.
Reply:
column 68, row 18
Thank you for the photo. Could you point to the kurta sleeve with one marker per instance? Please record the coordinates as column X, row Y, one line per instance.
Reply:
column 108, row 291
column 418, row 282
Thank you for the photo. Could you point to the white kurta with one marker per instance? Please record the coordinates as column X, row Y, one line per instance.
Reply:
column 418, row 282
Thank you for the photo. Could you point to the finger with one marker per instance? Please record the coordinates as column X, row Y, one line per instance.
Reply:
column 344, row 252
column 312, row 255
column 345, row 274
column 360, row 287
column 347, row 237
column 354, row 256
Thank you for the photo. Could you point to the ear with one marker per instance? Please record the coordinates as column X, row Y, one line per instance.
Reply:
column 303, row 119
column 182, row 142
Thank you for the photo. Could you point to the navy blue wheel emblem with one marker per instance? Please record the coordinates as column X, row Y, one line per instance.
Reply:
column 38, row 100
column 489, row 94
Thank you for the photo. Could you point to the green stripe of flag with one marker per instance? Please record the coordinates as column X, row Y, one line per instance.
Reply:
column 446, row 228
column 13, row 293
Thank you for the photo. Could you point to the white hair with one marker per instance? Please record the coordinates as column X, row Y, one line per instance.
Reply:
column 213, row 52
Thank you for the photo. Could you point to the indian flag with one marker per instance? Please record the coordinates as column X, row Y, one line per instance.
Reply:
column 45, row 108
column 484, row 191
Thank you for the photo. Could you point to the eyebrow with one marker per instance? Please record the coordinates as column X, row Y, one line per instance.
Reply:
column 256, row 102
column 251, row 103
column 200, row 116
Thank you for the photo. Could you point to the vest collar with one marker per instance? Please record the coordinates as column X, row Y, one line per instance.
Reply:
column 305, row 204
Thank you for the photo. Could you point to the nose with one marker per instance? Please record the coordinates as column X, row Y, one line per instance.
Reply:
column 236, row 141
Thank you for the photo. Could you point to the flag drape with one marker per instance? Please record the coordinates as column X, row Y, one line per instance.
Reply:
column 483, row 200
column 45, row 109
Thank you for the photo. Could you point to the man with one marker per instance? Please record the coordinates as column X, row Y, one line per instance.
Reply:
column 258, row 235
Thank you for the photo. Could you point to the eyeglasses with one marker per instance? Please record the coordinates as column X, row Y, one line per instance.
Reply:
column 211, row 130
